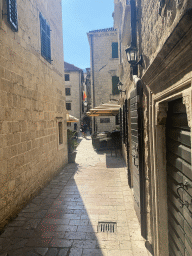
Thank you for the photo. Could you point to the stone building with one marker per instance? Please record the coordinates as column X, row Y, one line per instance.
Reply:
column 74, row 92
column 32, row 100
column 104, row 62
column 157, row 117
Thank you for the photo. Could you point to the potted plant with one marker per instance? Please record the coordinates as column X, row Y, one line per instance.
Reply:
column 72, row 145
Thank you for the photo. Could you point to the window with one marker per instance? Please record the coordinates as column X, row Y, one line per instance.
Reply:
column 67, row 91
column 45, row 39
column 115, row 81
column 68, row 124
column 104, row 120
column 60, row 126
column 117, row 119
column 67, row 77
column 12, row 14
column 68, row 106
column 114, row 50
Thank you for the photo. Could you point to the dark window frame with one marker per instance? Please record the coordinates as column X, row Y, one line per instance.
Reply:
column 12, row 17
column 117, row 119
column 105, row 120
column 60, row 128
column 67, row 106
column 115, row 81
column 67, row 77
column 115, row 54
column 68, row 91
column 45, row 33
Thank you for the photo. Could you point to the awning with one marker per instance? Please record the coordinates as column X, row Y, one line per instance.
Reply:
column 71, row 118
column 107, row 109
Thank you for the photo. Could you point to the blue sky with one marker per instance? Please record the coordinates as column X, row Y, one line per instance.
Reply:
column 80, row 17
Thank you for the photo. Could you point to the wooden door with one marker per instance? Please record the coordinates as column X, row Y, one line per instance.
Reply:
column 179, row 180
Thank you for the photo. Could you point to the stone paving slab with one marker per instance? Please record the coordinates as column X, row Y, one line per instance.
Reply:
column 63, row 219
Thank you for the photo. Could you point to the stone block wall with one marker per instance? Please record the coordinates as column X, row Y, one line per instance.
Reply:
column 32, row 102
column 157, row 21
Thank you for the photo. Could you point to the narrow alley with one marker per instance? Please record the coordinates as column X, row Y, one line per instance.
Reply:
column 68, row 216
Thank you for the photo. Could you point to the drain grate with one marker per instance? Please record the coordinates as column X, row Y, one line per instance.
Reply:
column 107, row 227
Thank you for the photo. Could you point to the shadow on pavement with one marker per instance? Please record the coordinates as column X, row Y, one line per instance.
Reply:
column 55, row 223
column 114, row 162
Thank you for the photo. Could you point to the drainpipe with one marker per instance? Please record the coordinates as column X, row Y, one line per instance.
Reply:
column 134, row 31
column 133, row 24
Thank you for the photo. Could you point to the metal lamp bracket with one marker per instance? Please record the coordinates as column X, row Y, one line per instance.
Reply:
column 140, row 62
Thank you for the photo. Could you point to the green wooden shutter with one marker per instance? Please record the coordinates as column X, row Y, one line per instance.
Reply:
column 12, row 14
column 115, row 81
column 48, row 43
column 45, row 39
column 114, row 50
column 43, row 35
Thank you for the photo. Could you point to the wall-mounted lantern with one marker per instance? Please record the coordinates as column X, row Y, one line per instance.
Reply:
column 131, row 53
column 120, row 88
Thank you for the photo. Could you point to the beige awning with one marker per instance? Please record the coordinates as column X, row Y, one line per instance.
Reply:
column 71, row 118
column 107, row 109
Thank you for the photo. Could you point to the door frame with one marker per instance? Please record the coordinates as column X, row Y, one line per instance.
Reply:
column 157, row 122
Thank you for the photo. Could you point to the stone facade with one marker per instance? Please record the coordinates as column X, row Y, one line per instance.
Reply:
column 163, row 38
column 103, row 67
column 32, row 103
column 74, row 83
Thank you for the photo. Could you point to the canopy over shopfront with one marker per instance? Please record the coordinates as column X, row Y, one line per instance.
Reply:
column 107, row 109
column 71, row 119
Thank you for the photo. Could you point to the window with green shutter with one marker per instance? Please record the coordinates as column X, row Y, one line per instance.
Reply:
column 12, row 14
column 115, row 81
column 114, row 50
column 45, row 39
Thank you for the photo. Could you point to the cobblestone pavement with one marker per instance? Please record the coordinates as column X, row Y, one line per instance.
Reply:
column 63, row 219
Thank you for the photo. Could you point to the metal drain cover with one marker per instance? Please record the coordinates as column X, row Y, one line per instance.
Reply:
column 107, row 227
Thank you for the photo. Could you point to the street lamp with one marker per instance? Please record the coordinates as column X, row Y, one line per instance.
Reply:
column 119, row 85
column 131, row 53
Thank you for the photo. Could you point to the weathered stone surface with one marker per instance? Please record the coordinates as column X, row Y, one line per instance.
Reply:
column 32, row 95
